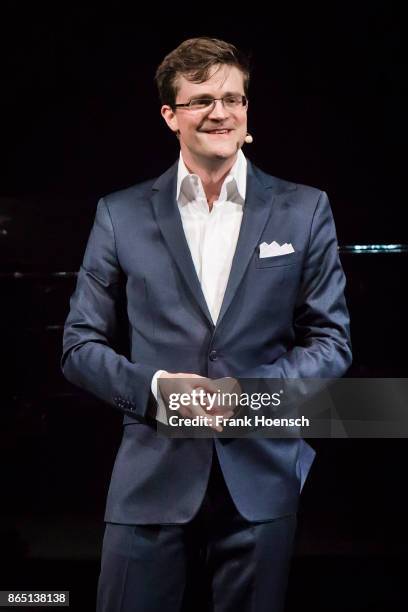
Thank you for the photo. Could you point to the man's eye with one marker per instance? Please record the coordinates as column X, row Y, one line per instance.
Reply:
column 201, row 102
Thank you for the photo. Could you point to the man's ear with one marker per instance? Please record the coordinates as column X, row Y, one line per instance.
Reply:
column 170, row 117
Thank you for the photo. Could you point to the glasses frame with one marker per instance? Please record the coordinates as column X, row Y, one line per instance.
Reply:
column 244, row 103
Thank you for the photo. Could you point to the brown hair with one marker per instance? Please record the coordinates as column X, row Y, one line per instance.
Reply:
column 193, row 59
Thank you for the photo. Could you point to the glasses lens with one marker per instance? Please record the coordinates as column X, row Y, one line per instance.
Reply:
column 201, row 103
column 232, row 101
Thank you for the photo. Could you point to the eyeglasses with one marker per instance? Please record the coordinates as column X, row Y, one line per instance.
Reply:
column 230, row 102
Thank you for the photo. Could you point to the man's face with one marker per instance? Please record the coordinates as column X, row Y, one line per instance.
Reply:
column 198, row 141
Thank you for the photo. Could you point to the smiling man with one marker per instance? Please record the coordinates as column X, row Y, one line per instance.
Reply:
column 212, row 125
column 225, row 272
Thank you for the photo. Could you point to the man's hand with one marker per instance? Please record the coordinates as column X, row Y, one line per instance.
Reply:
column 204, row 394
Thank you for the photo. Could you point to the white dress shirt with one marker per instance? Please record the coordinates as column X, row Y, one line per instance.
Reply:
column 211, row 235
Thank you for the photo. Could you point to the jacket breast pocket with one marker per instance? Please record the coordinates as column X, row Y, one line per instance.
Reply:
column 289, row 259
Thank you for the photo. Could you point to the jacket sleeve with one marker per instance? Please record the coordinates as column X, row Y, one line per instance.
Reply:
column 90, row 358
column 322, row 347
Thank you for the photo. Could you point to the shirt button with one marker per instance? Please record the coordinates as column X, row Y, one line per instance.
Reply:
column 213, row 355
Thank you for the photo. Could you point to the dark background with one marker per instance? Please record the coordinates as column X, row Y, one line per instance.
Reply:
column 80, row 118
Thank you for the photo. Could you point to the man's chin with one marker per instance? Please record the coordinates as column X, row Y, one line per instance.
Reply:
column 221, row 153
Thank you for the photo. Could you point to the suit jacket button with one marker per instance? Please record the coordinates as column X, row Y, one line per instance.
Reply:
column 213, row 355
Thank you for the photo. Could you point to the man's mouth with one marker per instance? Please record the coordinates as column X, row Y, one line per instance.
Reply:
column 219, row 131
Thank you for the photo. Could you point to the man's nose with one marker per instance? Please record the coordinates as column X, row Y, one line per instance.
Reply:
column 218, row 110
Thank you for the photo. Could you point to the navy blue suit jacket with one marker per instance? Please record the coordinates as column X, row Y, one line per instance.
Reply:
column 282, row 317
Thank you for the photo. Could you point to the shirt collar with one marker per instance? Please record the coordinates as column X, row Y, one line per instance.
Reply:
column 233, row 187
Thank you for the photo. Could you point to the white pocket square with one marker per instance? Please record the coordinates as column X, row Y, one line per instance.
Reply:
column 274, row 249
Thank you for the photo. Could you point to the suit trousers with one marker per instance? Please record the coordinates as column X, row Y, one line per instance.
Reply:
column 218, row 562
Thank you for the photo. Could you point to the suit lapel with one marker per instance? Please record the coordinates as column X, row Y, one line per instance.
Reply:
column 170, row 224
column 257, row 208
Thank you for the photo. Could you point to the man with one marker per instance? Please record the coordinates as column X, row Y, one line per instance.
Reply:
column 204, row 301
